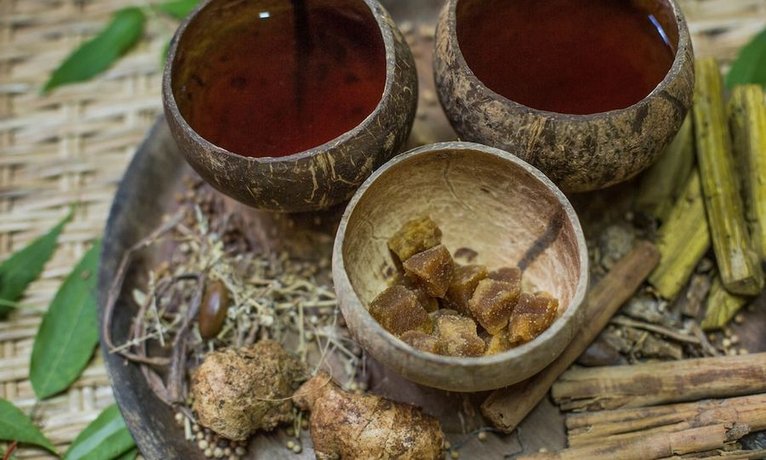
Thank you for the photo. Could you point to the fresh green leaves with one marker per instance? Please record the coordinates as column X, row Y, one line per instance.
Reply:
column 179, row 9
column 23, row 267
column 750, row 65
column 129, row 455
column 105, row 438
column 69, row 331
column 15, row 426
column 97, row 54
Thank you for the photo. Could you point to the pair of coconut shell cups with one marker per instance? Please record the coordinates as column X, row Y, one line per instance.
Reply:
column 578, row 152
column 309, row 180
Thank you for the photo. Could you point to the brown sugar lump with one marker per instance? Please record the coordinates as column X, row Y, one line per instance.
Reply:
column 498, row 343
column 492, row 303
column 432, row 269
column 507, row 274
column 429, row 303
column 531, row 316
column 397, row 309
column 415, row 236
column 464, row 281
column 458, row 336
column 421, row 341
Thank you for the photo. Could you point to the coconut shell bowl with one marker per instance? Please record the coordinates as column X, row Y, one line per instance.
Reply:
column 317, row 175
column 578, row 151
column 483, row 199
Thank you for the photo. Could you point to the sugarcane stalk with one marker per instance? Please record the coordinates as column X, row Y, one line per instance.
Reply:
column 737, row 262
column 663, row 183
column 721, row 306
column 682, row 241
column 660, row 383
column 747, row 120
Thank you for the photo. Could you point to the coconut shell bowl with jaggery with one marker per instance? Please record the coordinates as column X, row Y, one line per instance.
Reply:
column 488, row 203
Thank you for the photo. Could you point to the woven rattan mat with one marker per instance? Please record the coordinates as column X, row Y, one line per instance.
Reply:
column 73, row 145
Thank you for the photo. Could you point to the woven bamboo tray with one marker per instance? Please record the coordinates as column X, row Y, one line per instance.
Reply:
column 73, row 145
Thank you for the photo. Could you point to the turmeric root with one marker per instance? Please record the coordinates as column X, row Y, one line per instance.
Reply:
column 352, row 426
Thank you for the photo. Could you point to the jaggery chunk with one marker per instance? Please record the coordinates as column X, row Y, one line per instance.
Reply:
column 532, row 315
column 458, row 337
column 507, row 274
column 442, row 312
column 464, row 281
column 492, row 303
column 429, row 303
column 421, row 341
column 498, row 343
column 415, row 236
column 397, row 309
column 432, row 269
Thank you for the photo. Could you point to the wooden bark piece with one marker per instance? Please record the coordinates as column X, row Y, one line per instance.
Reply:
column 659, row 383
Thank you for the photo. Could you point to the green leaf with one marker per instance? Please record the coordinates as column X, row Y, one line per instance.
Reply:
column 750, row 65
column 24, row 266
column 15, row 426
column 105, row 438
column 97, row 54
column 69, row 332
column 129, row 455
column 179, row 9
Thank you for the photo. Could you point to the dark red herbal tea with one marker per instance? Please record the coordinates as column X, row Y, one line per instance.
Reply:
column 290, row 79
column 566, row 56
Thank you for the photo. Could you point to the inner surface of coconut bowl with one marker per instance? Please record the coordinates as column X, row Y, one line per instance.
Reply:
column 483, row 199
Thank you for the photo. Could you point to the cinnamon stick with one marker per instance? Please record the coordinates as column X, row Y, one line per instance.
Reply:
column 506, row 408
column 660, row 383
column 664, row 431
column 658, row 445
column 626, row 424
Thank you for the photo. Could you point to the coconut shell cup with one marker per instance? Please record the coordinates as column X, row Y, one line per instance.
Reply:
column 310, row 180
column 578, row 152
column 484, row 199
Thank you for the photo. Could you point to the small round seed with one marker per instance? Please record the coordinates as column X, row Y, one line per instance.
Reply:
column 203, row 445
column 734, row 339
column 217, row 452
column 290, row 444
column 743, row 351
column 227, row 451
column 739, row 318
column 208, row 452
column 240, row 450
column 482, row 436
column 291, row 432
column 305, row 424
column 297, row 448
column 454, row 455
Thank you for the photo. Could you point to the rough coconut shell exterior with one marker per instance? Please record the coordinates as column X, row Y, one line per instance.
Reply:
column 313, row 179
column 578, row 152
